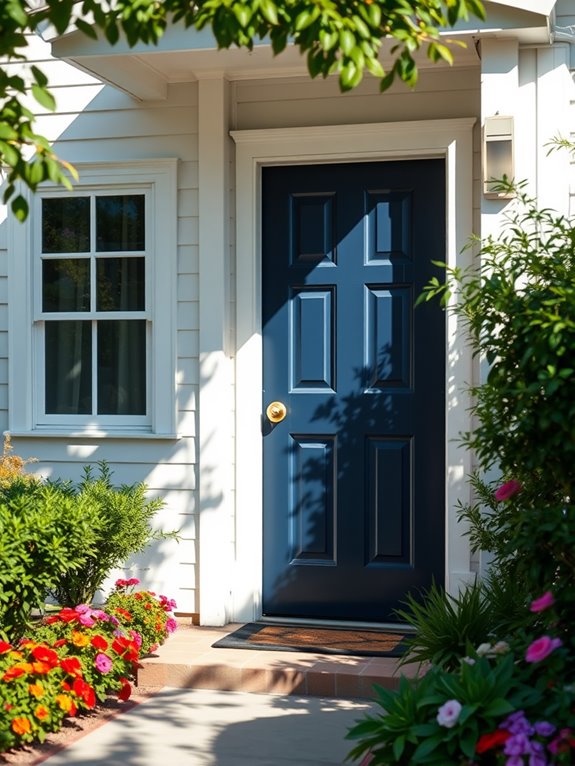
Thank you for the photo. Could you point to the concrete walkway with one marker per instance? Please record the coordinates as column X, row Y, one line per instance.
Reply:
column 217, row 728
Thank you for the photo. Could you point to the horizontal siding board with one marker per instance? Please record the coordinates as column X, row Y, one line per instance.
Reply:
column 188, row 371
column 188, row 202
column 188, row 343
column 187, row 397
column 188, row 317
column 155, row 476
column 188, row 259
column 127, row 148
column 188, row 287
column 188, row 231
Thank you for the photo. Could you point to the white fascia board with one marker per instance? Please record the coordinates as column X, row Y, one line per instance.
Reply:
column 127, row 73
column 542, row 7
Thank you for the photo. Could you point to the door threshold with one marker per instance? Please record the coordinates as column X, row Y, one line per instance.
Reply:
column 348, row 625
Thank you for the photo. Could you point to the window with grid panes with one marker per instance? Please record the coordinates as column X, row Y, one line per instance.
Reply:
column 93, row 305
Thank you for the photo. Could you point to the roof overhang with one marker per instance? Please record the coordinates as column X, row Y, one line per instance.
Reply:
column 184, row 55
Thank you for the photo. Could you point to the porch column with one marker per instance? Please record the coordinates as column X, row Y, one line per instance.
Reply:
column 215, row 414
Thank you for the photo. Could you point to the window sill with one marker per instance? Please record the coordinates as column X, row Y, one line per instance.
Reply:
column 91, row 434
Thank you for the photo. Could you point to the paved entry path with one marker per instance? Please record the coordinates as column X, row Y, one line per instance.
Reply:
column 215, row 728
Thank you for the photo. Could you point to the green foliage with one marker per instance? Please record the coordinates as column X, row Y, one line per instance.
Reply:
column 119, row 519
column 44, row 535
column 410, row 733
column 445, row 625
column 519, row 311
column 335, row 35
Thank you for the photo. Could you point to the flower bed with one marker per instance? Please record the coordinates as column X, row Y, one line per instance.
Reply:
column 75, row 659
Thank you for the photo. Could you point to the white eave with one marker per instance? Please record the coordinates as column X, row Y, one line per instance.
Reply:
column 183, row 55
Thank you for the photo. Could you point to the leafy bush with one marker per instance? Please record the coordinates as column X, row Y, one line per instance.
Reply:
column 69, row 664
column 500, row 705
column 143, row 612
column 119, row 518
column 44, row 536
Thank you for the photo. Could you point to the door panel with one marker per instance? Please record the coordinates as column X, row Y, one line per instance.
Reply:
column 354, row 498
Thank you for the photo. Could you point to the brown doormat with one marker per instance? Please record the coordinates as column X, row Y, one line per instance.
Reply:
column 295, row 638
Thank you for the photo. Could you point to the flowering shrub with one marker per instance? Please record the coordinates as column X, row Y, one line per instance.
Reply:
column 95, row 649
column 505, row 704
column 142, row 613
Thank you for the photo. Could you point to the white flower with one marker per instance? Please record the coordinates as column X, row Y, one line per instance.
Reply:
column 501, row 647
column 448, row 713
column 468, row 660
column 484, row 649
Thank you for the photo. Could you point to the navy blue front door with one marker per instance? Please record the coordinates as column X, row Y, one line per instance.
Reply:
column 354, row 475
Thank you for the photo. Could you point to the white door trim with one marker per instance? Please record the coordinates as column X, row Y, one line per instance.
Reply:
column 450, row 139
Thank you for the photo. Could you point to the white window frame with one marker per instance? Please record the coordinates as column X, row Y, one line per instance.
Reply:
column 157, row 179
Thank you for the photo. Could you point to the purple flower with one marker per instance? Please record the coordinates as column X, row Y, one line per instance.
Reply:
column 518, row 744
column 537, row 760
column 516, row 723
column 103, row 663
column 544, row 728
column 448, row 713
column 515, row 760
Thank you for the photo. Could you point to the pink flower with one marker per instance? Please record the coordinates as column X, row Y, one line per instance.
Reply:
column 507, row 490
column 86, row 619
column 82, row 608
column 541, row 648
column 171, row 625
column 543, row 602
column 133, row 581
column 103, row 663
column 448, row 713
column 121, row 583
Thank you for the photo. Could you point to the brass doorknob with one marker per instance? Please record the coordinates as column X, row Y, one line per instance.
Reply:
column 276, row 412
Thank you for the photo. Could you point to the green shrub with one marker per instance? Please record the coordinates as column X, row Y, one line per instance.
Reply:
column 44, row 535
column 119, row 518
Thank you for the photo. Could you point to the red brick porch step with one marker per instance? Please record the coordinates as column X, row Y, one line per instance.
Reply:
column 187, row 660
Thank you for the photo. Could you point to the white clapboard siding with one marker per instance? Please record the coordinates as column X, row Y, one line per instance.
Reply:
column 95, row 122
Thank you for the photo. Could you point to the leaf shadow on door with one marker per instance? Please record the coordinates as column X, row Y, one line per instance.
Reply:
column 334, row 527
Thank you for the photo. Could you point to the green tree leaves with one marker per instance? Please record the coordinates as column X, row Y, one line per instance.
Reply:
column 336, row 36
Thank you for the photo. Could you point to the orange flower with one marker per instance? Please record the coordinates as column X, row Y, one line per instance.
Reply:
column 13, row 672
column 36, row 690
column 42, row 713
column 21, row 726
column 41, row 668
column 80, row 639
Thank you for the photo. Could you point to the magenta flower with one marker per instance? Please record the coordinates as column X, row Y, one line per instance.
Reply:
column 103, row 663
column 82, row 608
column 543, row 602
column 508, row 489
column 133, row 581
column 541, row 648
column 121, row 583
column 448, row 713
column 86, row 619
column 171, row 625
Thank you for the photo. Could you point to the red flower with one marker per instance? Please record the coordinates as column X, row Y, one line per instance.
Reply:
column 12, row 673
column 491, row 740
column 5, row 647
column 125, row 690
column 45, row 654
column 68, row 615
column 507, row 490
column 52, row 619
column 84, row 691
column 72, row 666
column 100, row 643
column 60, row 642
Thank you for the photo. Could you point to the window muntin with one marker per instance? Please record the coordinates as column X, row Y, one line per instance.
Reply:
column 93, row 320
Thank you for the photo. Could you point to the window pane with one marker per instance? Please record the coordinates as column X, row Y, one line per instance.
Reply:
column 120, row 284
column 68, row 368
column 120, row 223
column 122, row 367
column 66, row 284
column 66, row 225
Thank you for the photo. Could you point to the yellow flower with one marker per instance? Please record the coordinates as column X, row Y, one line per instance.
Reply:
column 36, row 690
column 80, row 639
column 65, row 702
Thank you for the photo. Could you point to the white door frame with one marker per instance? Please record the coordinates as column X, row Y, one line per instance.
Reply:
column 448, row 139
